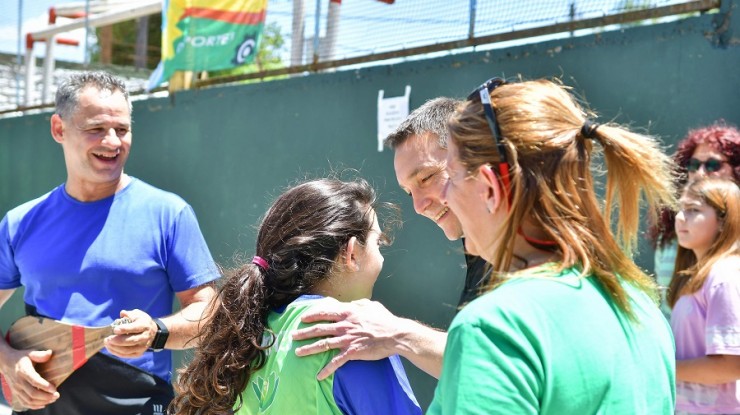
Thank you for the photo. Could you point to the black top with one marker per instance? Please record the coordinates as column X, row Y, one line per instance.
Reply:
column 106, row 385
column 475, row 278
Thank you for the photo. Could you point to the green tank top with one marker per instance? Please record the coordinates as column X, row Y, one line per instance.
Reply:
column 287, row 384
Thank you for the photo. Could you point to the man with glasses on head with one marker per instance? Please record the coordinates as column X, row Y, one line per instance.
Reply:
column 365, row 329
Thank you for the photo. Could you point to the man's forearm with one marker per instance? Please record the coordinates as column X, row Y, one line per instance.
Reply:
column 422, row 345
column 184, row 326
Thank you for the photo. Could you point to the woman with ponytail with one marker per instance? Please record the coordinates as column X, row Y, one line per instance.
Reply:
column 318, row 242
column 570, row 324
column 705, row 297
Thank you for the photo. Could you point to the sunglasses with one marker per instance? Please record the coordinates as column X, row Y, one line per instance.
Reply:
column 484, row 93
column 710, row 165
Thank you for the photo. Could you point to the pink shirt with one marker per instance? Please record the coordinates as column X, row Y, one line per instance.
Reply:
column 707, row 322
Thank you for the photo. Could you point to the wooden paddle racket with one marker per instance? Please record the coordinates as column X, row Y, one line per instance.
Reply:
column 71, row 345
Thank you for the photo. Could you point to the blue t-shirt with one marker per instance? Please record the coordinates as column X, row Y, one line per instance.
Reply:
column 84, row 262
column 374, row 387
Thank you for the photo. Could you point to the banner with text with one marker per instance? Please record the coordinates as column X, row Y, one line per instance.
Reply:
column 208, row 35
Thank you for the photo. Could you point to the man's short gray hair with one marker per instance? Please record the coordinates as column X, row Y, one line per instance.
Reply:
column 429, row 118
column 68, row 92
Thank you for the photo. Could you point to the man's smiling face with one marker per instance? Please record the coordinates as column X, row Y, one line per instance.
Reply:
column 419, row 163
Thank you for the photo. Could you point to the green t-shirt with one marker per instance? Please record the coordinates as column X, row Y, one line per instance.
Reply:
column 557, row 345
column 287, row 384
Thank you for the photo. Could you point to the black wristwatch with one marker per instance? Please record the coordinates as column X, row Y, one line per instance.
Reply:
column 160, row 339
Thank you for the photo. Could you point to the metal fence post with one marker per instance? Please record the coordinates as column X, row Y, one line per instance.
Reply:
column 316, row 32
column 296, row 40
column 18, row 59
column 471, row 23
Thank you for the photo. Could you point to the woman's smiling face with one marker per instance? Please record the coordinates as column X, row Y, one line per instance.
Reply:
column 464, row 194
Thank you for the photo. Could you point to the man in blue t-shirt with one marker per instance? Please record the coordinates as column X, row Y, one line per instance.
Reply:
column 102, row 246
column 366, row 330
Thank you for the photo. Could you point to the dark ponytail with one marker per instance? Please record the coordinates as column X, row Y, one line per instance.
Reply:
column 299, row 240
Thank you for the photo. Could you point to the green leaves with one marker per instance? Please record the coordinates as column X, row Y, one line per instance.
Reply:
column 265, row 390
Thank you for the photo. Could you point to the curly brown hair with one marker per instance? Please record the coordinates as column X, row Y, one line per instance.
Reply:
column 720, row 136
column 300, row 237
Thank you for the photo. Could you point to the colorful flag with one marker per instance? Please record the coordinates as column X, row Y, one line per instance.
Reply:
column 208, row 35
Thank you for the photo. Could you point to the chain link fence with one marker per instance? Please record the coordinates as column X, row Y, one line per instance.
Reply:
column 368, row 27
column 304, row 36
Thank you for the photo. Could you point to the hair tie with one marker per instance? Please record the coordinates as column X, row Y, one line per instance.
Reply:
column 588, row 130
column 260, row 262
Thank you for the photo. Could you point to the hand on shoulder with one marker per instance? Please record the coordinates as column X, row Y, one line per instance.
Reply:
column 360, row 330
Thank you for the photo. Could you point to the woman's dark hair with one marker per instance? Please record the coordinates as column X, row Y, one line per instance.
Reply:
column 300, row 237
column 720, row 136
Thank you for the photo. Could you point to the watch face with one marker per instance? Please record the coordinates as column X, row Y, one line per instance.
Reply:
column 160, row 339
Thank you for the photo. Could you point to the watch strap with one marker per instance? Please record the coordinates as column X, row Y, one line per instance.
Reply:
column 160, row 339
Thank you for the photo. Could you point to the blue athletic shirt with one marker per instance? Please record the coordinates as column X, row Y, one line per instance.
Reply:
column 84, row 262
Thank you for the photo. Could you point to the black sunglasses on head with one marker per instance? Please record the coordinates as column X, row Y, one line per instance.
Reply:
column 710, row 165
column 484, row 93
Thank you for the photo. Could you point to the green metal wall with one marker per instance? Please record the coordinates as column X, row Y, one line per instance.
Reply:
column 229, row 150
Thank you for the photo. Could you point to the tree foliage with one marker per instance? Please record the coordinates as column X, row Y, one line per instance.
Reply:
column 124, row 42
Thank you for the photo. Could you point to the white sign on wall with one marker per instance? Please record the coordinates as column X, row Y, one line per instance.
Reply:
column 391, row 112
